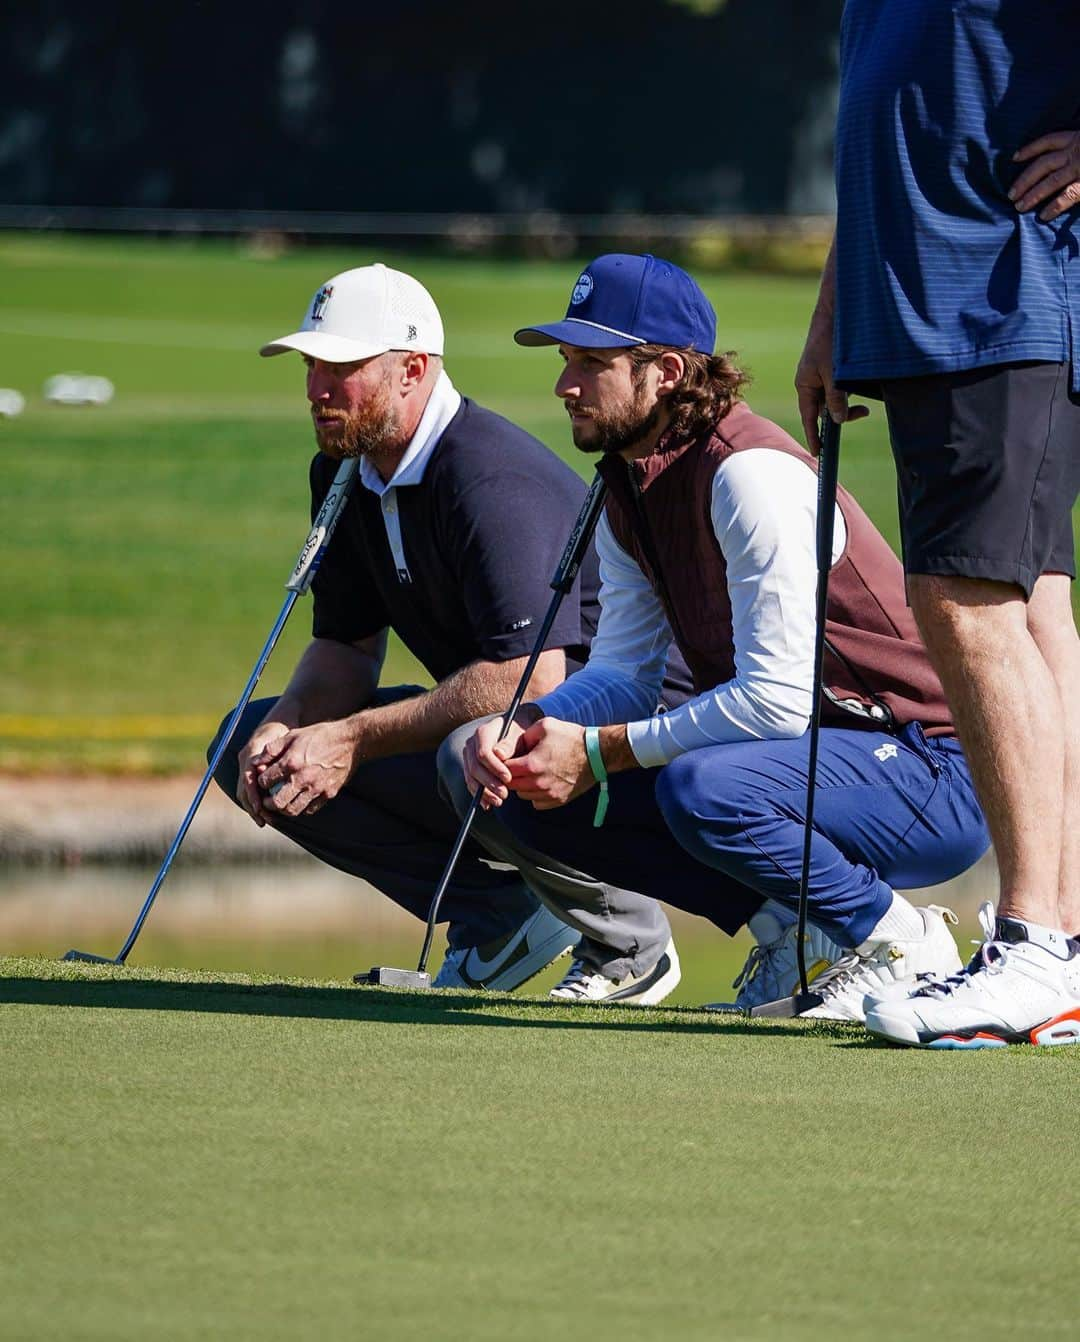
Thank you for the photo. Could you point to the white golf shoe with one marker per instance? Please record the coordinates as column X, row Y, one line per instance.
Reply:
column 583, row 983
column 1014, row 991
column 772, row 967
column 503, row 965
column 845, row 985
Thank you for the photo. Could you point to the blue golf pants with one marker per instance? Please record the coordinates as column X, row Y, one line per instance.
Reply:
column 721, row 829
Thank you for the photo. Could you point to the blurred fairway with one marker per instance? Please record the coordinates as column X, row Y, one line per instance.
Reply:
column 144, row 544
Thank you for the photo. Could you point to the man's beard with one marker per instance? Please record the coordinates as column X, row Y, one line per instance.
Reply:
column 619, row 429
column 364, row 433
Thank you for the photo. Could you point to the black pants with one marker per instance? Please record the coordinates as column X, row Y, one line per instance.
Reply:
column 988, row 469
column 389, row 826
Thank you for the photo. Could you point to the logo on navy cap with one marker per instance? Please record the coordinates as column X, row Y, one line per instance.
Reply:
column 582, row 289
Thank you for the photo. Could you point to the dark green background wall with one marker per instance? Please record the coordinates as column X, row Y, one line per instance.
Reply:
column 652, row 105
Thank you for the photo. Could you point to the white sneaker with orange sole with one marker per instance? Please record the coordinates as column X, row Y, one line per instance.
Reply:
column 1014, row 991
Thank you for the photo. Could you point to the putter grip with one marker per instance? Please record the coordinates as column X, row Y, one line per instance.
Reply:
column 319, row 537
column 828, row 479
column 578, row 542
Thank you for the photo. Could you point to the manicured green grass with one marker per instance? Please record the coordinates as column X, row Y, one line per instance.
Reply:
column 211, row 1156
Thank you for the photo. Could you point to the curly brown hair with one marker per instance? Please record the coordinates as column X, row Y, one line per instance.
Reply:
column 710, row 386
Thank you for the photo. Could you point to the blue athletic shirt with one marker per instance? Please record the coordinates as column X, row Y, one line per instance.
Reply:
column 936, row 270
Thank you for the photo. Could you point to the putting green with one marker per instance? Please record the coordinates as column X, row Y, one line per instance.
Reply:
column 200, row 1156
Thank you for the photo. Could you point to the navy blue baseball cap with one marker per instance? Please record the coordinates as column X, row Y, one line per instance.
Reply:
column 621, row 300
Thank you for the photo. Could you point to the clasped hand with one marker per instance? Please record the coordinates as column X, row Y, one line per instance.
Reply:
column 543, row 763
column 295, row 772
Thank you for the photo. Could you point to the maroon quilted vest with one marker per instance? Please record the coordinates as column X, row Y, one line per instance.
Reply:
column 875, row 662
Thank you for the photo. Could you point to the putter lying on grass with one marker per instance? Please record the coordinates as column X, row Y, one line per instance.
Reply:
column 562, row 582
column 828, row 472
column 298, row 583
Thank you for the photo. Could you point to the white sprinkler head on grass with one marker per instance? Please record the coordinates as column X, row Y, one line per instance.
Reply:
column 78, row 389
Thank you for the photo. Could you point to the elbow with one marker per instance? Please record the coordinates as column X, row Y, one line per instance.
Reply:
column 789, row 726
column 778, row 721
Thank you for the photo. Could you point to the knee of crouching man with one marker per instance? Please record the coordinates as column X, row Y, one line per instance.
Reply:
column 448, row 762
column 689, row 796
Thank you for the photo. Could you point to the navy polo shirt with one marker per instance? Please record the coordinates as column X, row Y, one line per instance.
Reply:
column 483, row 531
column 936, row 271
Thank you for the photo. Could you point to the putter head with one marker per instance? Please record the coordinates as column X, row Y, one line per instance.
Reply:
column 90, row 959
column 382, row 977
column 785, row 1007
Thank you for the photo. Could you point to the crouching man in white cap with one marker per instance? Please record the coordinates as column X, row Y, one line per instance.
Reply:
column 450, row 539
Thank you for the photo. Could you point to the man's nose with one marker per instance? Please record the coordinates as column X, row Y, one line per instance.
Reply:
column 318, row 384
column 567, row 386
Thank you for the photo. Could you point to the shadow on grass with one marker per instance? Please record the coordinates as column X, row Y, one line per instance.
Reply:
column 374, row 1004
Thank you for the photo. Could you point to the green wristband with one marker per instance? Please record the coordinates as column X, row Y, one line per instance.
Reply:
column 596, row 764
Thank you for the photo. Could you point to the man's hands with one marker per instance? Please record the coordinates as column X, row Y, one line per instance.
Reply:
column 248, row 793
column 814, row 375
column 543, row 762
column 485, row 756
column 296, row 772
column 1052, row 174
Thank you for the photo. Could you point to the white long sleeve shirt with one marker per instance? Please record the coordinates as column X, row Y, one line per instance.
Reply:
column 764, row 507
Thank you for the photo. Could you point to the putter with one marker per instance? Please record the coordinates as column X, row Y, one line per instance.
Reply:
column 299, row 581
column 828, row 473
column 563, row 580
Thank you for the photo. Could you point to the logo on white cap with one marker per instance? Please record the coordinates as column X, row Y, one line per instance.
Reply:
column 582, row 289
column 321, row 300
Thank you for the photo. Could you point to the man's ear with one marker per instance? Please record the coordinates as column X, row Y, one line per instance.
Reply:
column 414, row 368
column 671, row 367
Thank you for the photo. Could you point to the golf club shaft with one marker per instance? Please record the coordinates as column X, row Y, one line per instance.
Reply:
column 561, row 583
column 828, row 473
column 299, row 581
column 215, row 760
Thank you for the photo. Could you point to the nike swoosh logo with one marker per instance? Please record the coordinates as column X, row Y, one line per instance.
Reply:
column 475, row 970
column 659, row 970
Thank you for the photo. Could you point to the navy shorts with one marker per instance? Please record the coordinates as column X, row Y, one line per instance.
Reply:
column 988, row 469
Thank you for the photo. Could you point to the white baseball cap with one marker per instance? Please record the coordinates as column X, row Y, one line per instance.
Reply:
column 364, row 312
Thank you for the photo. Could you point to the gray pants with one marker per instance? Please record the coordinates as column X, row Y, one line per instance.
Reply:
column 389, row 825
column 622, row 932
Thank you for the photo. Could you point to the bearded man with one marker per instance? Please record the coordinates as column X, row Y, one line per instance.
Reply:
column 450, row 539
column 709, row 537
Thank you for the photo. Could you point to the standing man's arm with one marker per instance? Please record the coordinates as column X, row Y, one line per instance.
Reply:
column 814, row 375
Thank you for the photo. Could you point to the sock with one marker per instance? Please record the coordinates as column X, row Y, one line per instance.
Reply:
column 771, row 921
column 785, row 916
column 901, row 921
